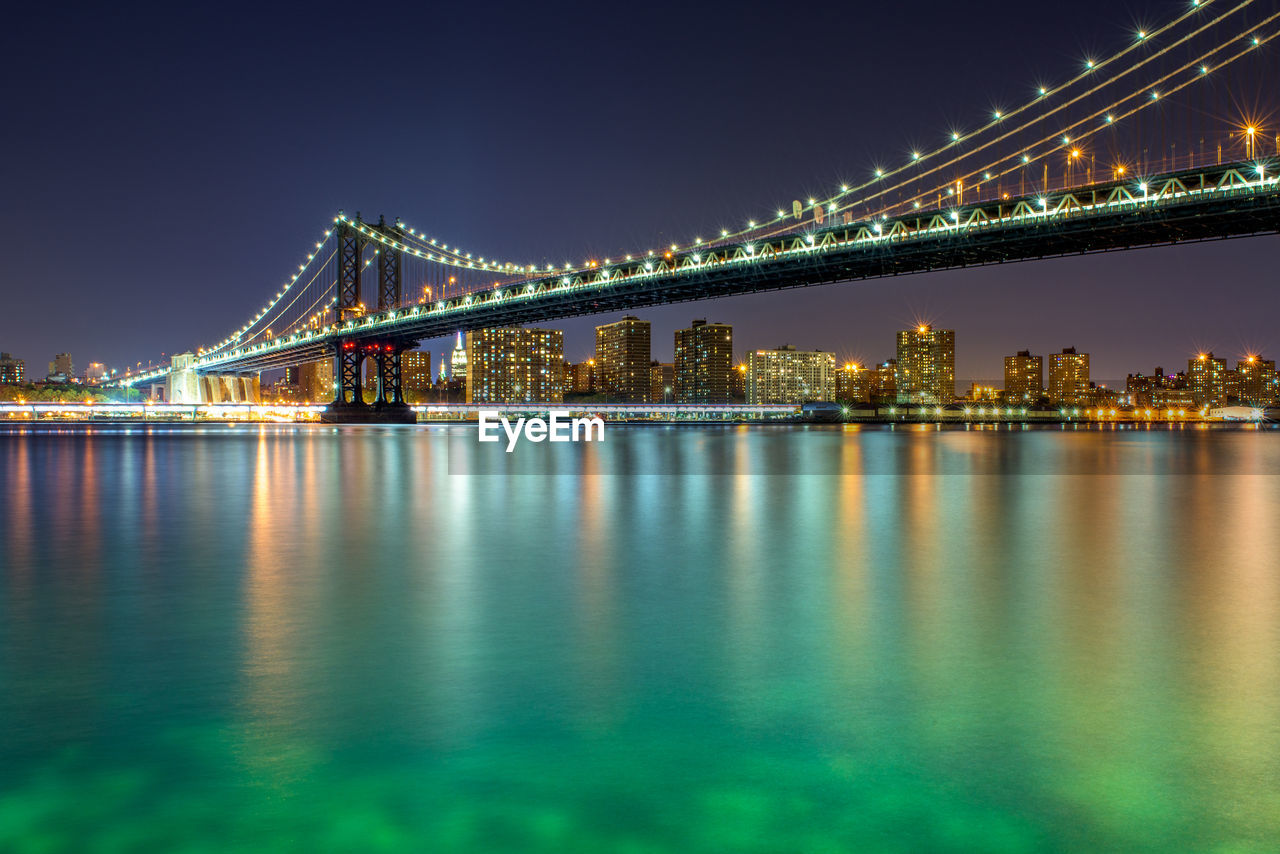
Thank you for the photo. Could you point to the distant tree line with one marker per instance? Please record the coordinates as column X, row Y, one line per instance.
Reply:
column 62, row 393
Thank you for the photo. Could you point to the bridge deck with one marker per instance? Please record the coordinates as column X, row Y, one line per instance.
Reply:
column 1192, row 205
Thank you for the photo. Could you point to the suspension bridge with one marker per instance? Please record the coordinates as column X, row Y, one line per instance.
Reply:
column 1150, row 146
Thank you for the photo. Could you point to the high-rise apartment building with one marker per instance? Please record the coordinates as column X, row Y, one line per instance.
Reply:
column 1068, row 376
column 416, row 383
column 12, row 371
column 62, row 369
column 622, row 360
column 582, row 377
column 1023, row 376
column 703, row 363
column 516, row 365
column 1207, row 377
column 1258, row 381
column 788, row 375
column 926, row 365
column 884, row 382
column 738, row 383
column 854, row 383
column 316, row 381
column 662, row 382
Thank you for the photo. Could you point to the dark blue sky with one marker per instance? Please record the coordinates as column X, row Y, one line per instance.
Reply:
column 165, row 167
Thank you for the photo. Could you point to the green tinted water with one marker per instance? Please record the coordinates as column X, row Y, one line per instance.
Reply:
column 316, row 640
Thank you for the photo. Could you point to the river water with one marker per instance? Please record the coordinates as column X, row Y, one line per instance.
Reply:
column 683, row 639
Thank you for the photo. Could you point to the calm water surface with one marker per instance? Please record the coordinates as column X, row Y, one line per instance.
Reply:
column 318, row 640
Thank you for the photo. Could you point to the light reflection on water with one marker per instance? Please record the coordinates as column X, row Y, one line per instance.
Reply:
column 314, row 639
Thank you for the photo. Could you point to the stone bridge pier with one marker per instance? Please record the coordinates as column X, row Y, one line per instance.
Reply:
column 187, row 386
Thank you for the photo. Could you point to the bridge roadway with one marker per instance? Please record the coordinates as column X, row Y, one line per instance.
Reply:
column 1232, row 200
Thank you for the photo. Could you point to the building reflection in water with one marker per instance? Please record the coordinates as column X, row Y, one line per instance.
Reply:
column 981, row 614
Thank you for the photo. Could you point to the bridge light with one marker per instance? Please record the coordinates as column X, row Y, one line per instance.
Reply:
column 1155, row 95
column 996, row 115
column 880, row 172
column 1142, row 34
column 1204, row 69
column 915, row 155
column 844, row 188
column 1088, row 64
column 1026, row 159
column 915, row 205
column 955, row 137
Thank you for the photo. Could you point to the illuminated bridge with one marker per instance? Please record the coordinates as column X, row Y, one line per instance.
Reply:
column 1141, row 148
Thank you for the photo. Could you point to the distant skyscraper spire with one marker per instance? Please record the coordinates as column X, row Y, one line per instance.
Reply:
column 459, row 366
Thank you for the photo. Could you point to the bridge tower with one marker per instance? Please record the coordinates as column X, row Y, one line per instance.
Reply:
column 349, row 404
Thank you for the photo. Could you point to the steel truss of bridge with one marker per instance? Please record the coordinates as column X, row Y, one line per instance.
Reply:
column 1232, row 200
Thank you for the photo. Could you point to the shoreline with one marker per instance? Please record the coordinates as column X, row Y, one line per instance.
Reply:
column 10, row 425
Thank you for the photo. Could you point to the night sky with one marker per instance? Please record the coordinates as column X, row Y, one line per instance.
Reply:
column 165, row 168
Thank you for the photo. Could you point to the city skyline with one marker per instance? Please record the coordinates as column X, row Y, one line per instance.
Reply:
column 15, row 368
